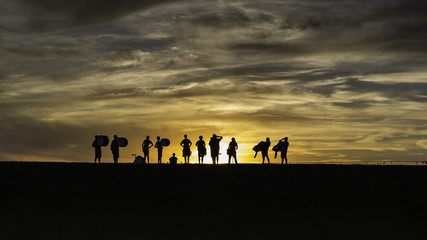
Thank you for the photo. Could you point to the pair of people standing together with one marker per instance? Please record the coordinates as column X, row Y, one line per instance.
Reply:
column 147, row 144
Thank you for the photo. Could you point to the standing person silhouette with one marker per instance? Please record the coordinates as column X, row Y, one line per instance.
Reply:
column 283, row 148
column 232, row 148
column 186, row 152
column 264, row 150
column 115, row 149
column 146, row 145
column 201, row 148
column 98, row 153
column 214, row 144
column 159, row 147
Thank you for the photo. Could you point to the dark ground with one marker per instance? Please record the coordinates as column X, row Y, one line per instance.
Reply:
column 87, row 201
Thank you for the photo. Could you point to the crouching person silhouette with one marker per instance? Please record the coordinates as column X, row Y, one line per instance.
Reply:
column 173, row 160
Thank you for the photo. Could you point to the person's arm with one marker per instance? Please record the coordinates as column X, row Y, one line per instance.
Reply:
column 219, row 138
column 190, row 143
column 182, row 144
column 237, row 147
column 150, row 144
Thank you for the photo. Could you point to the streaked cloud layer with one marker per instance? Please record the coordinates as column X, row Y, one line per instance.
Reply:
column 344, row 80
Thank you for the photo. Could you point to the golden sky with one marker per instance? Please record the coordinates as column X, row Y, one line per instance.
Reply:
column 344, row 80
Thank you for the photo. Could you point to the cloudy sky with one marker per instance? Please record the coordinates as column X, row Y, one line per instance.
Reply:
column 344, row 80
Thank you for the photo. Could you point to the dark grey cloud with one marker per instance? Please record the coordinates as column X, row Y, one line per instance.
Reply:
column 47, row 51
column 47, row 15
column 289, row 49
column 223, row 18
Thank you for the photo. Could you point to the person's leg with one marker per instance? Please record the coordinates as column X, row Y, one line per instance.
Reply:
column 268, row 159
column 235, row 158
column 229, row 159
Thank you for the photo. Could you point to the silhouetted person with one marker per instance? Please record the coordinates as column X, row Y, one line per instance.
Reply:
column 186, row 152
column 264, row 150
column 173, row 159
column 214, row 144
column 283, row 148
column 115, row 149
column 98, row 153
column 201, row 148
column 159, row 147
column 146, row 145
column 232, row 148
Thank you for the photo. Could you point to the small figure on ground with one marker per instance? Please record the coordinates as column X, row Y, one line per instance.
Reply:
column 283, row 148
column 214, row 144
column 98, row 153
column 173, row 160
column 115, row 149
column 138, row 159
column 231, row 151
column 159, row 147
column 201, row 148
column 186, row 152
column 146, row 145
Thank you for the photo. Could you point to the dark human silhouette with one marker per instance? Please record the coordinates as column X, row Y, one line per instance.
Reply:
column 214, row 144
column 146, row 145
column 98, row 153
column 115, row 149
column 231, row 151
column 264, row 150
column 159, row 147
column 201, row 148
column 186, row 152
column 173, row 159
column 263, row 147
column 283, row 148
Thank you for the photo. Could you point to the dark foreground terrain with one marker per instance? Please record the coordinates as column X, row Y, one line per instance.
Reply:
column 87, row 201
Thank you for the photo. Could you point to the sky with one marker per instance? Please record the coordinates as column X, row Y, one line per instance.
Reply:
column 345, row 81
